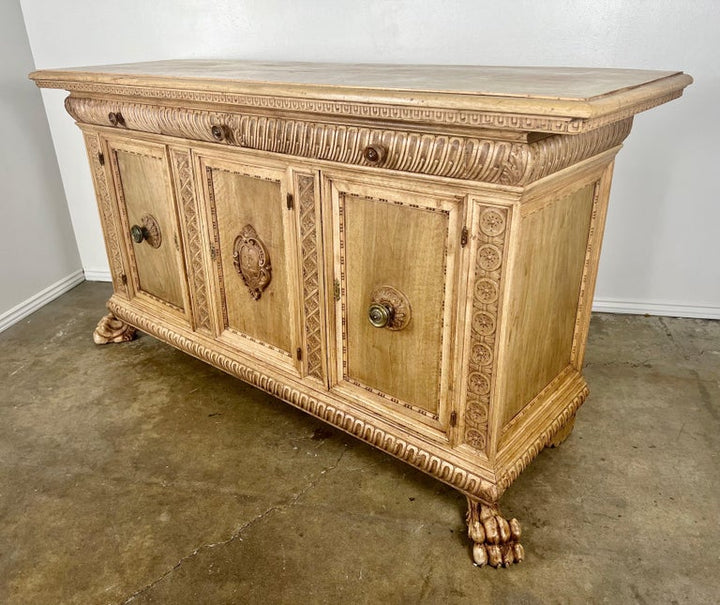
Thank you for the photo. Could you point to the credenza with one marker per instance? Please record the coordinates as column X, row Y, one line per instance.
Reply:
column 406, row 252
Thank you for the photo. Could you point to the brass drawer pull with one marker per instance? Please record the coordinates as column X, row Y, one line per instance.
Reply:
column 219, row 132
column 389, row 309
column 374, row 154
column 116, row 118
column 149, row 232
column 380, row 315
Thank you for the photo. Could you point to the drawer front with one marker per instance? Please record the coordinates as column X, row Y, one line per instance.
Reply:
column 149, row 223
column 254, row 258
column 396, row 254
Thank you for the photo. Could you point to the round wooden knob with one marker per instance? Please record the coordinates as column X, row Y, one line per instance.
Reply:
column 380, row 315
column 219, row 133
column 116, row 118
column 374, row 154
column 138, row 233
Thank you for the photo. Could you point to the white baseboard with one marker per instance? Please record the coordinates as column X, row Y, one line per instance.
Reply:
column 19, row 312
column 97, row 274
column 637, row 307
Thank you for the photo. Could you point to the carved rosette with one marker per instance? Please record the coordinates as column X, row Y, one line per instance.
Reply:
column 153, row 235
column 398, row 302
column 252, row 261
column 491, row 236
column 188, row 206
column 310, row 274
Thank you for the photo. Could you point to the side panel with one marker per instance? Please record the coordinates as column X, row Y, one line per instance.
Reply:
column 548, row 270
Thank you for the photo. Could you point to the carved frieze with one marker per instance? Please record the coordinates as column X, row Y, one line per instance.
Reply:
column 462, row 157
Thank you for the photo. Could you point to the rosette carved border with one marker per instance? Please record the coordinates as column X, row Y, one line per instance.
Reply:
column 491, row 237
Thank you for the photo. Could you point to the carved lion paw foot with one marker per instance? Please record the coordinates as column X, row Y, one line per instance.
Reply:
column 111, row 329
column 496, row 541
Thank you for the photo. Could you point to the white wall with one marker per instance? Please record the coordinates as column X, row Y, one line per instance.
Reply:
column 662, row 250
column 38, row 255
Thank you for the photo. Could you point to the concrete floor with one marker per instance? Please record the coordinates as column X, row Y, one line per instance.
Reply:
column 135, row 474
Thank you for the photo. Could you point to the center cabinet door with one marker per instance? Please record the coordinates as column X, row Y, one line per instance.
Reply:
column 396, row 255
column 254, row 254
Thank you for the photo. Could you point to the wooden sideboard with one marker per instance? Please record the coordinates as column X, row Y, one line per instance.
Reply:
column 405, row 252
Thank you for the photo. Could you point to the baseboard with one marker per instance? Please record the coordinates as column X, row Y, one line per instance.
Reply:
column 636, row 307
column 97, row 274
column 19, row 312
column 600, row 305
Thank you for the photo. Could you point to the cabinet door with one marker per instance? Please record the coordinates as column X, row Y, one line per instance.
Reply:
column 149, row 224
column 395, row 261
column 254, row 255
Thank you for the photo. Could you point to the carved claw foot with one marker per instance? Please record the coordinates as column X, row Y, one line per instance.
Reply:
column 496, row 541
column 111, row 329
column 562, row 434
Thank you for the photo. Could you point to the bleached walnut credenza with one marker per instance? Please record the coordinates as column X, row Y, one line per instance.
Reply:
column 406, row 252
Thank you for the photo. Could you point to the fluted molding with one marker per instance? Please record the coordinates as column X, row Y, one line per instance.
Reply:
column 462, row 157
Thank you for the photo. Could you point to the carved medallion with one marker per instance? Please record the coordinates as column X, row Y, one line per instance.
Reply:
column 397, row 302
column 151, row 231
column 252, row 261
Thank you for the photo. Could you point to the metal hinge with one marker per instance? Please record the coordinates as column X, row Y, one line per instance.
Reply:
column 212, row 252
column 336, row 289
column 453, row 418
column 464, row 237
column 101, row 158
column 298, row 354
column 290, row 201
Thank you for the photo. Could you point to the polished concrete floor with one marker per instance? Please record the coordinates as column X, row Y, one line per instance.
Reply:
column 136, row 474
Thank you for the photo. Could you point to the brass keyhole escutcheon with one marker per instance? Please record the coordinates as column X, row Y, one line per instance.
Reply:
column 148, row 231
column 389, row 308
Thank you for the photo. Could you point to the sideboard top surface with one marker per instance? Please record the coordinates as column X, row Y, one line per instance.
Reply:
column 568, row 93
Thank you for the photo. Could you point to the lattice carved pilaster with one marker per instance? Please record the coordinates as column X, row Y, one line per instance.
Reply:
column 185, row 188
column 310, row 275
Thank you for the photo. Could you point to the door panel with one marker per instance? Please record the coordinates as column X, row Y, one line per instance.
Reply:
column 146, row 202
column 255, row 256
column 396, row 251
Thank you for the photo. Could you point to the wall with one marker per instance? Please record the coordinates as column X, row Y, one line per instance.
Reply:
column 38, row 255
column 661, row 250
